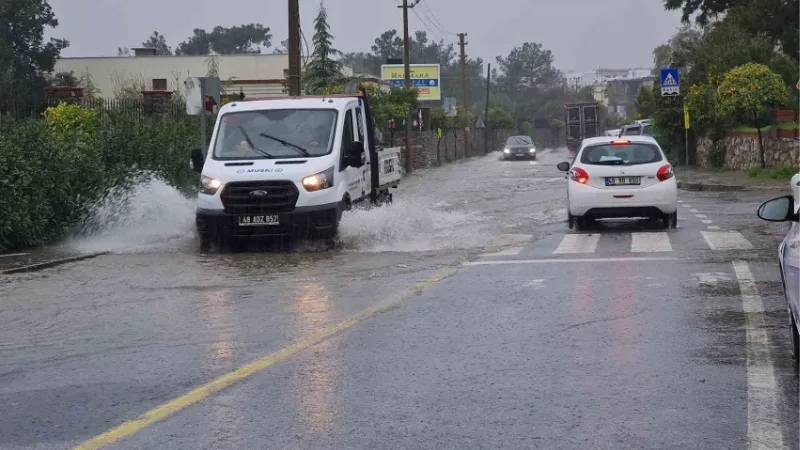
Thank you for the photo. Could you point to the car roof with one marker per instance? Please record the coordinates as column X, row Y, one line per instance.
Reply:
column 339, row 103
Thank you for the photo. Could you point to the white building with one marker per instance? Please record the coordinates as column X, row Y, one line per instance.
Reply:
column 257, row 75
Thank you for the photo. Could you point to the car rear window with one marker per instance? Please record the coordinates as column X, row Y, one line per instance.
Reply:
column 632, row 131
column 621, row 154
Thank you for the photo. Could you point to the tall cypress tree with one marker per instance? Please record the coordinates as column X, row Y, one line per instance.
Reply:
column 322, row 70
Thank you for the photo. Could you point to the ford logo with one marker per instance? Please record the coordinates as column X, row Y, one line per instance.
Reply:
column 259, row 194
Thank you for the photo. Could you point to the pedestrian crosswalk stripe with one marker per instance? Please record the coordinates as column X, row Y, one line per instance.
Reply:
column 726, row 240
column 650, row 242
column 578, row 243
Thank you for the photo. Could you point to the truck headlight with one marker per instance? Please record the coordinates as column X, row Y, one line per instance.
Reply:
column 318, row 181
column 209, row 186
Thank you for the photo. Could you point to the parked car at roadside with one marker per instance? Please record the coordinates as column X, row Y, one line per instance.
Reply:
column 787, row 209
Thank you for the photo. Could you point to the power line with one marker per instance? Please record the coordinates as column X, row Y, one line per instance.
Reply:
column 428, row 27
column 425, row 6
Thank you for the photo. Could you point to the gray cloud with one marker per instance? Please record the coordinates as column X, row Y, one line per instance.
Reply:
column 582, row 34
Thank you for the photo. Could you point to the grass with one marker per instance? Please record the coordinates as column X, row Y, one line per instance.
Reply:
column 772, row 173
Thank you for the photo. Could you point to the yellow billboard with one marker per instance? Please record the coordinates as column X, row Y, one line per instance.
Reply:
column 425, row 77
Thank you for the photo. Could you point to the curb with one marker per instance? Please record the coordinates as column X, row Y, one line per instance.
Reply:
column 709, row 187
column 49, row 264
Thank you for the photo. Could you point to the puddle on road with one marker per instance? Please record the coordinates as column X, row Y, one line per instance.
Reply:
column 151, row 216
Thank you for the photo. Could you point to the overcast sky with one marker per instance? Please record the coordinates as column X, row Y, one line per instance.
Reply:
column 582, row 34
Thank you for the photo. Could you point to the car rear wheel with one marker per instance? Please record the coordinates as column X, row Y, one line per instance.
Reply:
column 670, row 220
column 795, row 341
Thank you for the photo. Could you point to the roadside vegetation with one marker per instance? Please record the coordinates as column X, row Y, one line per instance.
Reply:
column 738, row 64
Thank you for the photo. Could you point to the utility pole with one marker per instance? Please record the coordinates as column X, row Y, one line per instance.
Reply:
column 405, row 6
column 294, row 48
column 486, row 129
column 462, row 43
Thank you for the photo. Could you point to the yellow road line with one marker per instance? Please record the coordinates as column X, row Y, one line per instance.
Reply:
column 167, row 409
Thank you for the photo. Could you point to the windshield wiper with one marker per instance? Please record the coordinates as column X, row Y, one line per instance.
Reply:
column 301, row 150
column 253, row 146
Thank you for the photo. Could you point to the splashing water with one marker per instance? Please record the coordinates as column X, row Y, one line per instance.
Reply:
column 410, row 225
column 144, row 215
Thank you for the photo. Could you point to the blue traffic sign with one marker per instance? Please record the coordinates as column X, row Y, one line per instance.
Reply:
column 670, row 82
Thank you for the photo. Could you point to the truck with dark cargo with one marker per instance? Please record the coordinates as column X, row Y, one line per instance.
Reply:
column 581, row 121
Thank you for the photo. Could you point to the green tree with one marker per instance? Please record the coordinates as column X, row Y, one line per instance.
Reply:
column 644, row 102
column 526, row 128
column 322, row 71
column 159, row 43
column 249, row 38
column 25, row 56
column 500, row 119
column 749, row 93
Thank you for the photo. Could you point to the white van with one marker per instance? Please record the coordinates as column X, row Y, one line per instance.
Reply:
column 290, row 166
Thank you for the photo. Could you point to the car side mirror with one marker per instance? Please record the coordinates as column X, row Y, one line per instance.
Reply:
column 198, row 160
column 563, row 166
column 780, row 209
column 354, row 154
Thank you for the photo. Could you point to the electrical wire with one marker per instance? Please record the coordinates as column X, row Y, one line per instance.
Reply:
column 428, row 27
column 434, row 20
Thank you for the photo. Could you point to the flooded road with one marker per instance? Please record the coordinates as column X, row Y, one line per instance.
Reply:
column 465, row 315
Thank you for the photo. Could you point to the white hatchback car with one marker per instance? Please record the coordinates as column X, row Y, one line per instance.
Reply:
column 625, row 177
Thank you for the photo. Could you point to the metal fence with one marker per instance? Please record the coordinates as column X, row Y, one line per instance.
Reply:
column 135, row 107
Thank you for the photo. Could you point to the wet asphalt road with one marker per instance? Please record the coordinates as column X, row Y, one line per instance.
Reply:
column 529, row 335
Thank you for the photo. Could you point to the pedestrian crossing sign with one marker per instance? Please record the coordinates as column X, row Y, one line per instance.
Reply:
column 670, row 82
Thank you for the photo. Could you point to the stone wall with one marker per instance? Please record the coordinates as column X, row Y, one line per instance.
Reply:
column 427, row 151
column 741, row 151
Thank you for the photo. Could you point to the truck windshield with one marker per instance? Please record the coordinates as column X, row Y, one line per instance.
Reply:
column 276, row 133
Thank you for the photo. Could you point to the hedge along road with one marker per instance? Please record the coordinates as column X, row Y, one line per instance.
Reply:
column 392, row 341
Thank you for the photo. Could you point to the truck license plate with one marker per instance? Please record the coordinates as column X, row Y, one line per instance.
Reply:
column 260, row 220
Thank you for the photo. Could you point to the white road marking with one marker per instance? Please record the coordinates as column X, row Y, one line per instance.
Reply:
column 713, row 227
column 680, row 201
column 650, row 242
column 763, row 418
column 687, row 206
column 693, row 211
column 570, row 260
column 578, row 243
column 726, row 240
column 507, row 252
column 11, row 255
column 553, row 180
column 706, row 221
column 700, row 216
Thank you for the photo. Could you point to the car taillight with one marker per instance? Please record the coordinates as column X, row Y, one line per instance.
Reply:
column 579, row 175
column 665, row 173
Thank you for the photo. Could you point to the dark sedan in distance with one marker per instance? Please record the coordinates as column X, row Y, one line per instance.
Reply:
column 519, row 147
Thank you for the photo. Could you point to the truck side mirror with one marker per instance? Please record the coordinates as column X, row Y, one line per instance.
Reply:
column 354, row 154
column 198, row 160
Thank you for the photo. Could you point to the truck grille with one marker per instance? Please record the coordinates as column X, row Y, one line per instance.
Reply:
column 281, row 197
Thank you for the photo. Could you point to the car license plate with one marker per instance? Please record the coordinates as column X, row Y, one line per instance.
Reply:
column 623, row 181
column 261, row 220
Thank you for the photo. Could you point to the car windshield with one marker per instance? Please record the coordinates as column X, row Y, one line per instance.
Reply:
column 519, row 140
column 621, row 154
column 280, row 133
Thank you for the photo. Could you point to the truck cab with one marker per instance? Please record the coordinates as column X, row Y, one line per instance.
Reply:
column 289, row 167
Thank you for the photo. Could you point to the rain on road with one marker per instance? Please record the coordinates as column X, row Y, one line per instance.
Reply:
column 465, row 315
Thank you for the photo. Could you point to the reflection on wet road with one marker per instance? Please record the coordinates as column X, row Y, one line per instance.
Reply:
column 464, row 316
